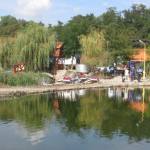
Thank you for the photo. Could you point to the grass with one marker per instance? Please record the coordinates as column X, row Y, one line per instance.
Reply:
column 23, row 78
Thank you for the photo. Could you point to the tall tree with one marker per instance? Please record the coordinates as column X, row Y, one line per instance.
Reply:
column 93, row 48
column 32, row 47
column 70, row 32
column 9, row 25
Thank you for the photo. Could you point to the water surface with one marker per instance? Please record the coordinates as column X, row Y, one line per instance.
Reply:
column 111, row 119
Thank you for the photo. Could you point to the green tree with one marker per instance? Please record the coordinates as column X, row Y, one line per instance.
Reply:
column 69, row 33
column 9, row 25
column 138, row 17
column 93, row 48
column 31, row 46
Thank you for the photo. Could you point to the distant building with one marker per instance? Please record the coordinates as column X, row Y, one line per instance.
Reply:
column 68, row 62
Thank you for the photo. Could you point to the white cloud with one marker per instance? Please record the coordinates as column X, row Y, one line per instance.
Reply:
column 32, row 8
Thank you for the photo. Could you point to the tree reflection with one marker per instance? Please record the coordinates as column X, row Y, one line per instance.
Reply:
column 111, row 117
column 108, row 114
column 30, row 111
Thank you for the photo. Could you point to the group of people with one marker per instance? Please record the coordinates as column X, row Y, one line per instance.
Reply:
column 132, row 73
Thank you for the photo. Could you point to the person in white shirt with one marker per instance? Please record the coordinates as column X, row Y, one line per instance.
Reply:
column 126, row 74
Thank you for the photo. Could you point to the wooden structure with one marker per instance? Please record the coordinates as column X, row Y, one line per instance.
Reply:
column 58, row 50
column 57, row 55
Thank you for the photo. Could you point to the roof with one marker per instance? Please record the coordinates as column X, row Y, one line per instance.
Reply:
column 59, row 45
column 139, row 55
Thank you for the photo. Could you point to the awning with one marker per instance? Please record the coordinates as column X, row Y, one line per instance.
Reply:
column 139, row 55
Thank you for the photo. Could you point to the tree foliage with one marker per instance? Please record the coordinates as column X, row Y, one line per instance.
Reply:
column 31, row 46
column 9, row 25
column 93, row 47
column 120, row 30
column 28, row 39
column 69, row 33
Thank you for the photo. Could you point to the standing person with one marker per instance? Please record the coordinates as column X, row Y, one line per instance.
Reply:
column 132, row 73
column 132, row 70
column 123, row 75
column 139, row 73
column 115, row 69
column 126, row 73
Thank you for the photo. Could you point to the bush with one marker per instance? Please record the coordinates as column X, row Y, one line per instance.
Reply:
column 23, row 79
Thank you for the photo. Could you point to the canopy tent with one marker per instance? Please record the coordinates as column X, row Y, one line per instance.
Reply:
column 138, row 55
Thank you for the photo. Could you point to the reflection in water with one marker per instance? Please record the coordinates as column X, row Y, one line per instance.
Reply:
column 135, row 97
column 126, row 94
column 31, row 113
column 71, row 95
column 86, row 115
column 35, row 137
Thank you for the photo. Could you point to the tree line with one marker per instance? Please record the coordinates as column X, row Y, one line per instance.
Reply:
column 108, row 37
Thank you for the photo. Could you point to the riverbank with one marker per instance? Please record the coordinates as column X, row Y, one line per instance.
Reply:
column 7, row 91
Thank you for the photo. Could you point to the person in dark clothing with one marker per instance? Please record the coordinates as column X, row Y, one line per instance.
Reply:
column 123, row 75
column 139, row 73
column 132, row 73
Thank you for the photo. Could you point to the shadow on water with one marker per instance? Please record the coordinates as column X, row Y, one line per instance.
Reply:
column 108, row 112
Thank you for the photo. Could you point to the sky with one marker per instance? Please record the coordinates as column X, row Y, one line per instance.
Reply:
column 52, row 11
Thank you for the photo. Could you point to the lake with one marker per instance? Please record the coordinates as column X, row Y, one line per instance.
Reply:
column 111, row 119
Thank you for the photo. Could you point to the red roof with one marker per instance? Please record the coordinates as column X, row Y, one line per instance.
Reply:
column 59, row 45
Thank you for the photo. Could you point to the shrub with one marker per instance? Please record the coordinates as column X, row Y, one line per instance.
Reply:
column 23, row 79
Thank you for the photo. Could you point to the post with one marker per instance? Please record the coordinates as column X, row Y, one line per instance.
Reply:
column 143, row 105
column 144, row 69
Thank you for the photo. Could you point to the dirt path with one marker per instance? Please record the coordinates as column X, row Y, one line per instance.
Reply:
column 19, row 91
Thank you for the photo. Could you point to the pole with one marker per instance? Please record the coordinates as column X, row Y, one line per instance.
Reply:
column 143, row 107
column 144, row 71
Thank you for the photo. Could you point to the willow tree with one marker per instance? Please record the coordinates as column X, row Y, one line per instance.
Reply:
column 93, row 48
column 6, row 50
column 31, row 47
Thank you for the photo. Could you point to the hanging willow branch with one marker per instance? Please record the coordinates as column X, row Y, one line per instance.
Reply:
column 31, row 47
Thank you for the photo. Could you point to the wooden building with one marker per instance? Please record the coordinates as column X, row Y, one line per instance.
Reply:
column 57, row 56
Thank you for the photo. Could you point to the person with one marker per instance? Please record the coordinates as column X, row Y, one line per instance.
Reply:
column 126, row 73
column 123, row 75
column 132, row 73
column 139, row 73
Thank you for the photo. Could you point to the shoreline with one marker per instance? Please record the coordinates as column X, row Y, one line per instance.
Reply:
column 27, row 90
